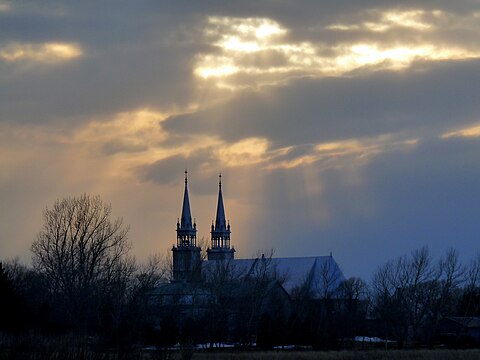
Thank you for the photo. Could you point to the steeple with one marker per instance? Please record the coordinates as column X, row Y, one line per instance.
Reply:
column 186, row 255
column 186, row 222
column 220, row 233
column 220, row 222
column 186, row 230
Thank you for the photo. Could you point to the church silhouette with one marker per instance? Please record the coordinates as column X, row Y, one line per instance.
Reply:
column 221, row 298
column 318, row 275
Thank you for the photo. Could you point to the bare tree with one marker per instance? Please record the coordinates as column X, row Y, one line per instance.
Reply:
column 328, row 279
column 473, row 273
column 469, row 303
column 353, row 288
column 401, row 290
column 412, row 293
column 83, row 254
column 353, row 295
column 155, row 271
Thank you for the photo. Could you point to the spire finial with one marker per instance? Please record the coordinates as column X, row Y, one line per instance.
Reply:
column 220, row 179
column 186, row 178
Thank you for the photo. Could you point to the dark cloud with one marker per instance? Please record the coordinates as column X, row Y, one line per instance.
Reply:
column 167, row 171
column 202, row 167
column 309, row 111
column 129, row 61
column 399, row 202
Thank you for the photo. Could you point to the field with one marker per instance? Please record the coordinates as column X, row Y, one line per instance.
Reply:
column 73, row 348
column 253, row 355
column 348, row 355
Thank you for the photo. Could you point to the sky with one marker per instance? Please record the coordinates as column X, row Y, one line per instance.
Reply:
column 350, row 127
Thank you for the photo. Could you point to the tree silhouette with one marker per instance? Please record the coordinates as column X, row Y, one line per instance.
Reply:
column 83, row 254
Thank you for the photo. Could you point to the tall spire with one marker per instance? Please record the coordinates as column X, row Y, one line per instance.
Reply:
column 186, row 222
column 186, row 230
column 220, row 222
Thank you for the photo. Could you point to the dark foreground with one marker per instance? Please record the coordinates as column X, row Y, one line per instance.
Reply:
column 347, row 355
column 69, row 352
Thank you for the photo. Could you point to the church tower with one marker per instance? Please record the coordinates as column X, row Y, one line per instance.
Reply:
column 186, row 255
column 220, row 233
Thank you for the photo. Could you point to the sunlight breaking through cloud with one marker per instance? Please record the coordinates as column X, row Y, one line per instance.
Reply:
column 49, row 53
column 257, row 51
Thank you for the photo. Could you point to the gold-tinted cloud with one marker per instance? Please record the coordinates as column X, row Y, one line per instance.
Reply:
column 249, row 151
column 466, row 132
column 137, row 138
column 141, row 127
column 346, row 152
column 48, row 53
column 257, row 51
column 387, row 20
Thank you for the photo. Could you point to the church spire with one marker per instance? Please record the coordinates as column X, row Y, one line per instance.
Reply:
column 220, row 222
column 186, row 222
column 186, row 230
column 220, row 248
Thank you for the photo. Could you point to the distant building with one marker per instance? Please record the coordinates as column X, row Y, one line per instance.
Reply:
column 458, row 330
column 317, row 275
column 235, row 297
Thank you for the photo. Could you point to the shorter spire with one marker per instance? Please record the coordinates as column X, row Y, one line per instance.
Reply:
column 220, row 223
column 186, row 222
column 220, row 249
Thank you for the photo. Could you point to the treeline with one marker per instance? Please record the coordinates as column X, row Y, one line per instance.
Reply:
column 410, row 295
column 82, row 279
column 83, row 282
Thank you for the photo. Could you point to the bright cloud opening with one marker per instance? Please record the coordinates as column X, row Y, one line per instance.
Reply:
column 257, row 51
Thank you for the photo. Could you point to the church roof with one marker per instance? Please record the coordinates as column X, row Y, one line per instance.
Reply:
column 317, row 276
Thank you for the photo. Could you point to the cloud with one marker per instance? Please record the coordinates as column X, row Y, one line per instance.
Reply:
column 48, row 53
column 247, row 151
column 391, row 19
column 424, row 101
column 472, row 131
column 344, row 153
column 136, row 129
column 244, row 49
